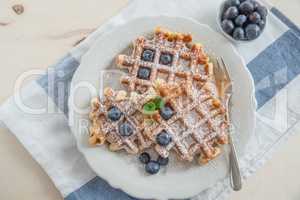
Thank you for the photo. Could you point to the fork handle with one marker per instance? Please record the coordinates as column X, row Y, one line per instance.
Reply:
column 235, row 174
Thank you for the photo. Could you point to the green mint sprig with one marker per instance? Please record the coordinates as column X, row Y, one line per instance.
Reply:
column 152, row 106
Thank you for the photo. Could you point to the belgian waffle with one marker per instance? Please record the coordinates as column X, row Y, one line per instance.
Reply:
column 198, row 125
column 188, row 62
column 180, row 73
column 104, row 130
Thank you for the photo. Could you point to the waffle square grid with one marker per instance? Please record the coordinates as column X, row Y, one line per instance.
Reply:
column 188, row 63
column 197, row 126
column 103, row 129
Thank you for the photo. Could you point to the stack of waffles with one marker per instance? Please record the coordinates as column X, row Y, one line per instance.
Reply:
column 192, row 120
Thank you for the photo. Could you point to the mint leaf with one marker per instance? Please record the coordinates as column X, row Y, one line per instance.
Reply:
column 159, row 103
column 149, row 108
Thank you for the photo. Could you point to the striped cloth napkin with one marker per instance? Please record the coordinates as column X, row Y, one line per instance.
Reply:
column 273, row 60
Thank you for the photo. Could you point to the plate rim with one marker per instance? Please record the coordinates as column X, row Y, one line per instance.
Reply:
column 119, row 185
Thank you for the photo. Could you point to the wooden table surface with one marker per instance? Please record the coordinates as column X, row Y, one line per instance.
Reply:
column 44, row 32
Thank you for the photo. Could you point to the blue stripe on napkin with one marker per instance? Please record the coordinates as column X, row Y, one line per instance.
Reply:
column 276, row 66
column 98, row 189
column 60, row 76
column 286, row 21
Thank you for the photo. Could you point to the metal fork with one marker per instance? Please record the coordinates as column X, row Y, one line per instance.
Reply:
column 224, row 84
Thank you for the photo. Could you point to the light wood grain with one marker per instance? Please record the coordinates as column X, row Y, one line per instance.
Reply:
column 42, row 34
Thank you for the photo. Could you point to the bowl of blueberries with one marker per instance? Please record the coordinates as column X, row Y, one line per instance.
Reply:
column 242, row 20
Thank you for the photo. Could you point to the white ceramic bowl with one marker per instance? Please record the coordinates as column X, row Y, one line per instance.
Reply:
column 178, row 180
column 229, row 37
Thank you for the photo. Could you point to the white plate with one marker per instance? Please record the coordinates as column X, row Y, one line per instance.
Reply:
column 124, row 171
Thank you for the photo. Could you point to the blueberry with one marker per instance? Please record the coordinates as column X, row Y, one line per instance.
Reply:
column 255, row 3
column 152, row 167
column 166, row 112
column 246, row 7
column 252, row 31
column 262, row 24
column 144, row 157
column 231, row 13
column 240, row 20
column 125, row 129
column 238, row 34
column 227, row 26
column 114, row 113
column 263, row 11
column 166, row 59
column 162, row 161
column 254, row 17
column 144, row 73
column 163, row 138
column 234, row 2
column 148, row 55
column 227, row 4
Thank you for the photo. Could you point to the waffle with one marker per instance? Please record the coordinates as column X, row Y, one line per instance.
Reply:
column 188, row 62
column 104, row 130
column 171, row 67
column 198, row 126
